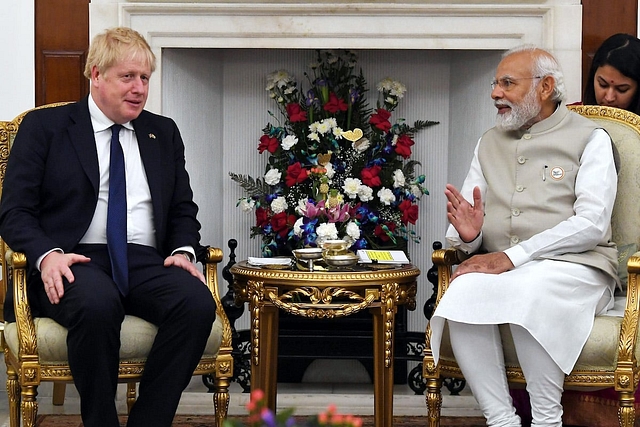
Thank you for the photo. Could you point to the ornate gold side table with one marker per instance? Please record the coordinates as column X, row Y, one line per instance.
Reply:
column 324, row 295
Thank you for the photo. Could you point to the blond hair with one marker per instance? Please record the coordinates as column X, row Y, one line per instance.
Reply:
column 115, row 45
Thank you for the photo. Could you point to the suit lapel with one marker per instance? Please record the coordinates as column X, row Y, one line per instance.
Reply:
column 150, row 146
column 83, row 140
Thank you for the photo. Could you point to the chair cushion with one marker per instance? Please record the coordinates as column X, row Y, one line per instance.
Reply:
column 599, row 352
column 136, row 338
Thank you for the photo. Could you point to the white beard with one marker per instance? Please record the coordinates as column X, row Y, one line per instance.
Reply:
column 520, row 115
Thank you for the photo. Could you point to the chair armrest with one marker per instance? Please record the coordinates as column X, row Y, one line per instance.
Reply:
column 444, row 260
column 626, row 364
column 212, row 258
column 16, row 263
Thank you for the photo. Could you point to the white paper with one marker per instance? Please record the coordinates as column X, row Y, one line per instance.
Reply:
column 268, row 261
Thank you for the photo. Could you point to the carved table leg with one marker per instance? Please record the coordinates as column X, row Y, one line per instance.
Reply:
column 383, row 318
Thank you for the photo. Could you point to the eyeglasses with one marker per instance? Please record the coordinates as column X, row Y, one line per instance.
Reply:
column 508, row 83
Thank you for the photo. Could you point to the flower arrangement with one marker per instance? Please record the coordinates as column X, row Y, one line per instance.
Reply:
column 337, row 169
column 261, row 416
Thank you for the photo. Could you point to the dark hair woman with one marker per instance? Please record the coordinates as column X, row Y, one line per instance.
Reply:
column 614, row 76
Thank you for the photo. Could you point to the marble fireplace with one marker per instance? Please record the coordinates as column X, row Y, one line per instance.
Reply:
column 213, row 57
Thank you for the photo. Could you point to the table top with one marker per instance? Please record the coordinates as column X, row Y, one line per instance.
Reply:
column 360, row 273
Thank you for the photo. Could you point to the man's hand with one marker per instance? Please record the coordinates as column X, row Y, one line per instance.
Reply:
column 53, row 267
column 467, row 219
column 182, row 260
column 493, row 263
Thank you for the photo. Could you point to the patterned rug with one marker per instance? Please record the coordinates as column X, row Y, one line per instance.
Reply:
column 207, row 421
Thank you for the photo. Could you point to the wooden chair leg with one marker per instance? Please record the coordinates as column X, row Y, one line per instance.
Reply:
column 29, row 405
column 131, row 396
column 627, row 409
column 434, row 401
column 13, row 393
column 221, row 399
column 59, row 390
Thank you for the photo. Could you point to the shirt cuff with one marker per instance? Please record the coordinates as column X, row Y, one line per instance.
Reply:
column 186, row 250
column 39, row 260
column 517, row 255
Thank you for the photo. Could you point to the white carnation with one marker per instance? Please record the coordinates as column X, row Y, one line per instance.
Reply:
column 351, row 187
column 386, row 196
column 327, row 230
column 272, row 177
column 279, row 204
column 365, row 193
column 398, row 178
column 416, row 190
column 353, row 230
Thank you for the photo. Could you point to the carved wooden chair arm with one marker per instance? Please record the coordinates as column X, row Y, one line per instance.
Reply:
column 17, row 266
column 444, row 260
column 213, row 257
column 629, row 330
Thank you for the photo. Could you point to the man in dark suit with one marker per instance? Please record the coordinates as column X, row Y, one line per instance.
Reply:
column 57, row 208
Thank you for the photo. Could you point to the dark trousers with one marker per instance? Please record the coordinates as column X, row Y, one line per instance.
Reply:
column 92, row 309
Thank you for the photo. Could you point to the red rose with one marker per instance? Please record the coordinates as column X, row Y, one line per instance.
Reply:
column 403, row 146
column 381, row 119
column 268, row 143
column 382, row 233
column 295, row 113
column 262, row 217
column 370, row 176
column 281, row 223
column 296, row 174
column 409, row 212
column 335, row 104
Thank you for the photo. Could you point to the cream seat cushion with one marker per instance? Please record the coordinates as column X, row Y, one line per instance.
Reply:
column 136, row 338
column 599, row 353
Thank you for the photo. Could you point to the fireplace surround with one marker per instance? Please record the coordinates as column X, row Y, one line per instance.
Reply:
column 213, row 56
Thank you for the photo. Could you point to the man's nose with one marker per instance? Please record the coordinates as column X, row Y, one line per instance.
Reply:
column 138, row 84
column 497, row 92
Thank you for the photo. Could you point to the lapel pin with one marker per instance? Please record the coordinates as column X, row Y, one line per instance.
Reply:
column 152, row 136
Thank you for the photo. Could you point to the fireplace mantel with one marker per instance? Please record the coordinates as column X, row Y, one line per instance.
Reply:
column 469, row 25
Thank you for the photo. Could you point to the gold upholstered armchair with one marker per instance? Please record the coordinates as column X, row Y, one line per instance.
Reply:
column 35, row 349
column 609, row 359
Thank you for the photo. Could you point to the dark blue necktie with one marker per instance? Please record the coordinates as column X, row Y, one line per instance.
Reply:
column 117, row 214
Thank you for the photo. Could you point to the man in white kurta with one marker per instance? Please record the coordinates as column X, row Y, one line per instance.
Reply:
column 534, row 211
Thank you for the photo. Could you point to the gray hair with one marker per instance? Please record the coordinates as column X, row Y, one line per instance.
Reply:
column 545, row 64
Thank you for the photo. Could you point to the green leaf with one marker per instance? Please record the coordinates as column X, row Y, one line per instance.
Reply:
column 253, row 187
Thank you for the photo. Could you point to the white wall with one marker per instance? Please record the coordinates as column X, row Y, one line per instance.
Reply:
column 17, row 40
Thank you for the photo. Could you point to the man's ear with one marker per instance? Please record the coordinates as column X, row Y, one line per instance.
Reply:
column 547, row 85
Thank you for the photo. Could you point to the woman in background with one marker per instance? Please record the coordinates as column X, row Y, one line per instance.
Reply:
column 614, row 76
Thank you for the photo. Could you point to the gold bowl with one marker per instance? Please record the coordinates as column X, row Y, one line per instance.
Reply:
column 344, row 260
column 308, row 253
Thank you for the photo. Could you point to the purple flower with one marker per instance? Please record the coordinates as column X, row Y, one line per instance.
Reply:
column 360, row 244
column 354, row 95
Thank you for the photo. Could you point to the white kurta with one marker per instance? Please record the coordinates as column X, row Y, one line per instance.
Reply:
column 555, row 301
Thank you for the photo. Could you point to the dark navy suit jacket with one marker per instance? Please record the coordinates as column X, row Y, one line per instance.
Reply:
column 51, row 184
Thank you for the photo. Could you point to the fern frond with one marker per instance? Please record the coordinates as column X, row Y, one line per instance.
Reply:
column 253, row 187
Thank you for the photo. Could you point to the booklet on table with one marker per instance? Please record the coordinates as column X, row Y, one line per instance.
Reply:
column 382, row 256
